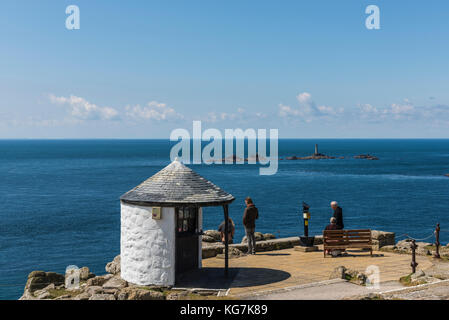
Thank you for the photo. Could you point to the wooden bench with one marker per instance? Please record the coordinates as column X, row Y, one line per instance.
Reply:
column 346, row 239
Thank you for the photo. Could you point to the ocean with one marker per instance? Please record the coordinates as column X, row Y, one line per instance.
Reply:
column 60, row 198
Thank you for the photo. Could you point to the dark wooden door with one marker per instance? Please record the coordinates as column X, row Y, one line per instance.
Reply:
column 186, row 239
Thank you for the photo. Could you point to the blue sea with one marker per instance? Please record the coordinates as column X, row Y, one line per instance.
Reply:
column 60, row 198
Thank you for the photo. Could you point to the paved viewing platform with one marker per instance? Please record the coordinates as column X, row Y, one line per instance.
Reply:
column 278, row 271
column 271, row 271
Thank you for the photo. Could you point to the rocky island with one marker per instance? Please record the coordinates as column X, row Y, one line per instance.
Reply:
column 315, row 156
column 235, row 159
column 318, row 156
column 366, row 156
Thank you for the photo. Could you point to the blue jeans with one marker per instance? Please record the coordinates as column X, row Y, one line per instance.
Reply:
column 251, row 239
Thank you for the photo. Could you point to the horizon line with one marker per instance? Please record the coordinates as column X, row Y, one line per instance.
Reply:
column 167, row 139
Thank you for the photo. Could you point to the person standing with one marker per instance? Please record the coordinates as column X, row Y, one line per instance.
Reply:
column 338, row 214
column 249, row 221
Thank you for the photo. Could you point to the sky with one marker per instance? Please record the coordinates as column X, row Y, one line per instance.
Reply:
column 140, row 69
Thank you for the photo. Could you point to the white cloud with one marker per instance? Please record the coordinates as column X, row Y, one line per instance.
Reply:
column 82, row 109
column 367, row 108
column 326, row 110
column 307, row 106
column 405, row 111
column 213, row 117
column 37, row 121
column 285, row 111
column 401, row 109
column 153, row 111
column 396, row 111
column 228, row 116
column 307, row 109
column 240, row 115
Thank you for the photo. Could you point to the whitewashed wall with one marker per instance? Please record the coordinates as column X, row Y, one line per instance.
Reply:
column 147, row 246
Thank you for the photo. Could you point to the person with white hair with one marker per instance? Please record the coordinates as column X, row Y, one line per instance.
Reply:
column 332, row 225
column 338, row 214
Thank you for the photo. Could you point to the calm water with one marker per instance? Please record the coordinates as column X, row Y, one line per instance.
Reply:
column 60, row 199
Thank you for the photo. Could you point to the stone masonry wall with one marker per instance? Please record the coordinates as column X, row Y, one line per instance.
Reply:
column 147, row 246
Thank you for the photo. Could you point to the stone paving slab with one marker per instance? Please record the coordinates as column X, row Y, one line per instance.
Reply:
column 433, row 291
column 324, row 290
column 287, row 268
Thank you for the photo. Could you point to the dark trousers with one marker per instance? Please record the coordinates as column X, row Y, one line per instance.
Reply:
column 251, row 239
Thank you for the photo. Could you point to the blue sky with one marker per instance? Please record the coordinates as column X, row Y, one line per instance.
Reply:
column 139, row 69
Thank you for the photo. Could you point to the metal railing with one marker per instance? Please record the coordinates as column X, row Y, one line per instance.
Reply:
column 414, row 246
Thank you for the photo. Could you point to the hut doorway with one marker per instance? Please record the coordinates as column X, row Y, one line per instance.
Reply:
column 187, row 239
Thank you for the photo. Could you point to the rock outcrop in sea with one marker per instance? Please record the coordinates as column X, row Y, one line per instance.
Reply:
column 234, row 159
column 366, row 156
column 315, row 156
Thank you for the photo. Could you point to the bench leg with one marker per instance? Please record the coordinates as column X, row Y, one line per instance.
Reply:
column 371, row 252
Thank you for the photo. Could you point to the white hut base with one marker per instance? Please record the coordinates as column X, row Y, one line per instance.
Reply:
column 147, row 246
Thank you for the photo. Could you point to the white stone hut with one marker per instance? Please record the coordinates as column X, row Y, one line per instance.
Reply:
column 161, row 225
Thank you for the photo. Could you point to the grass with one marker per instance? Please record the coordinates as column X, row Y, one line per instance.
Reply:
column 55, row 293
column 158, row 289
column 407, row 281
column 351, row 276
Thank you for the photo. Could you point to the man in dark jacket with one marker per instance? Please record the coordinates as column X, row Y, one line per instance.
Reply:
column 249, row 221
column 338, row 214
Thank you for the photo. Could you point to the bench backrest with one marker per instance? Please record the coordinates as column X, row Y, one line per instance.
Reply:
column 346, row 237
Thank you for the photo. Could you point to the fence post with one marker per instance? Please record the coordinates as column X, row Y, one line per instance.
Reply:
column 414, row 264
column 437, row 241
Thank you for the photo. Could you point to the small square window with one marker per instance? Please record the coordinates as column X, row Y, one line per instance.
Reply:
column 187, row 220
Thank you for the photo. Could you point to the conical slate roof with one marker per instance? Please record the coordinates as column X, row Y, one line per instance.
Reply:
column 174, row 185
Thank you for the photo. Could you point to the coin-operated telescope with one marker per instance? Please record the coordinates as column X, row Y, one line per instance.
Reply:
column 305, row 239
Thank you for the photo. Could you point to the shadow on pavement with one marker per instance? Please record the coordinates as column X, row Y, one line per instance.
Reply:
column 213, row 278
